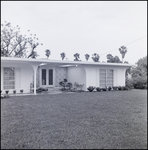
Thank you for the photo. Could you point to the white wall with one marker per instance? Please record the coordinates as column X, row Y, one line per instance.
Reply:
column 23, row 76
column 92, row 75
column 77, row 74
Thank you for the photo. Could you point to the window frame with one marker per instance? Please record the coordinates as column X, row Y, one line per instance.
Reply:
column 106, row 83
column 8, row 86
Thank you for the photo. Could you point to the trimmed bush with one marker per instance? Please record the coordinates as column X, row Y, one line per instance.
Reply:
column 98, row 89
column 119, row 88
column 109, row 88
column 104, row 89
column 14, row 91
column 90, row 88
column 7, row 91
column 21, row 90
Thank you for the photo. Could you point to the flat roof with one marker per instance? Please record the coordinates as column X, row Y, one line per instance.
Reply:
column 60, row 62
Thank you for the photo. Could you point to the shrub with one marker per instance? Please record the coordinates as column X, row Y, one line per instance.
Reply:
column 69, row 85
column 21, row 90
column 109, row 88
column 129, row 83
column 66, row 85
column 104, row 89
column 7, row 91
column 40, row 89
column 115, row 88
column 77, row 87
column 14, row 91
column 91, row 88
column 126, row 88
column 119, row 88
column 139, row 83
column 98, row 89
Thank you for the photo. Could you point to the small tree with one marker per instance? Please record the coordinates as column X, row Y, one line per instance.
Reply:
column 87, row 56
column 48, row 52
column 76, row 55
column 95, row 57
column 63, row 55
column 123, row 51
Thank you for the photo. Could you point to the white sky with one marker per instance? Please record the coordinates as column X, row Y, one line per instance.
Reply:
column 82, row 26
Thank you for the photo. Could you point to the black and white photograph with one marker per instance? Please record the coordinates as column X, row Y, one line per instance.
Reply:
column 73, row 74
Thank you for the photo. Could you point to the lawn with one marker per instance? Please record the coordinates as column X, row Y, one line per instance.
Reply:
column 83, row 120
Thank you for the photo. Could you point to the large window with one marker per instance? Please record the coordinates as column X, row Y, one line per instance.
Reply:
column 106, row 77
column 9, row 78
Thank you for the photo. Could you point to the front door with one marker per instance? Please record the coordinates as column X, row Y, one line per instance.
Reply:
column 46, row 77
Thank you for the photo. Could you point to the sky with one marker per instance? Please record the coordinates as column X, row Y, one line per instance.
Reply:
column 84, row 27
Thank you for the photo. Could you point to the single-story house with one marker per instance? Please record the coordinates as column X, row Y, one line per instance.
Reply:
column 20, row 73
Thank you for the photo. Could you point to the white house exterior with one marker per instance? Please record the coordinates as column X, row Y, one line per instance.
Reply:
column 19, row 73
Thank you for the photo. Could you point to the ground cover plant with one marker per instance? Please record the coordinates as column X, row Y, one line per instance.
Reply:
column 79, row 120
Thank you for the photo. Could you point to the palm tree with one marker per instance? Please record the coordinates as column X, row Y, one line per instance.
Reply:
column 95, row 57
column 48, row 52
column 76, row 55
column 63, row 55
column 87, row 56
column 123, row 51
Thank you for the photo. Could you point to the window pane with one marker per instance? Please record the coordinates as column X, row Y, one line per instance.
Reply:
column 106, row 77
column 50, row 77
column 43, row 76
column 9, row 78
column 109, row 77
column 102, row 77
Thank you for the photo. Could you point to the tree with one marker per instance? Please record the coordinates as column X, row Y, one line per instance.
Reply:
column 126, row 62
column 123, row 51
column 14, row 44
column 76, row 55
column 95, row 57
column 63, row 55
column 48, row 52
column 139, row 73
column 112, row 59
column 117, row 60
column 87, row 56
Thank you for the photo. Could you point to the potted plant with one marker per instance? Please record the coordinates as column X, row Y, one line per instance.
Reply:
column 7, row 91
column 21, row 90
column 90, row 88
column 14, row 91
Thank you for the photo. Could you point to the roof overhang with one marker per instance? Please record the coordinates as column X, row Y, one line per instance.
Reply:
column 60, row 63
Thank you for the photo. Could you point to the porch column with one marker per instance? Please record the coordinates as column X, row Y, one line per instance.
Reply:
column 34, row 70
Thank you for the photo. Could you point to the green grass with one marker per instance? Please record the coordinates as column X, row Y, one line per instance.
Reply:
column 86, row 120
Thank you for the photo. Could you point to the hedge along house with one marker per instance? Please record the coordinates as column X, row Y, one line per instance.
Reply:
column 20, row 73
